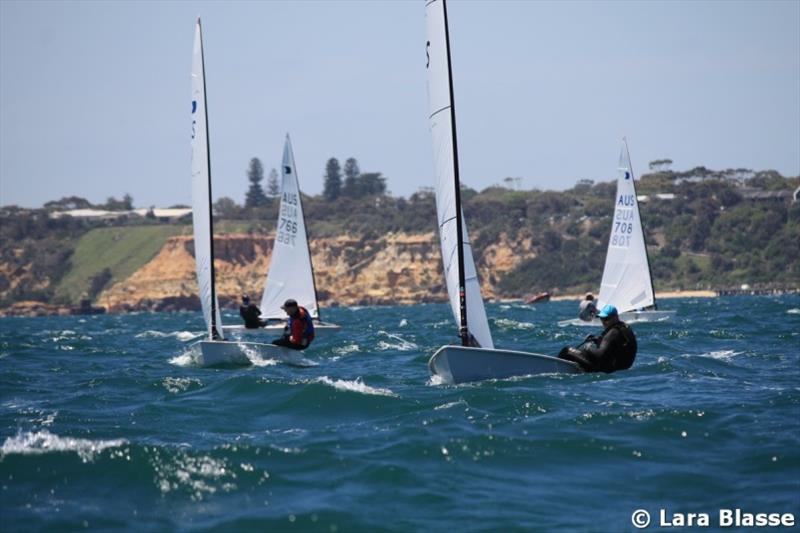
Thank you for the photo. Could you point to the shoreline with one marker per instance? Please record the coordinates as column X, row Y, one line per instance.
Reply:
column 33, row 308
column 666, row 295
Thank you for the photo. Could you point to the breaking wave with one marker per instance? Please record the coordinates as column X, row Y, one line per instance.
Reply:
column 41, row 442
column 355, row 385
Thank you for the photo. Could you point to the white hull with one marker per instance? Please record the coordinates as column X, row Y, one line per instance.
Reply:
column 458, row 364
column 273, row 331
column 630, row 317
column 216, row 353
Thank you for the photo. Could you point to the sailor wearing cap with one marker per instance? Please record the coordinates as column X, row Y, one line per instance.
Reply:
column 299, row 330
column 615, row 349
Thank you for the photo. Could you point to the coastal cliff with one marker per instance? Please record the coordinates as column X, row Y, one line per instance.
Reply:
column 703, row 233
column 396, row 269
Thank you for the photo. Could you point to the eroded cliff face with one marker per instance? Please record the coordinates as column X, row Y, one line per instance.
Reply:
column 395, row 269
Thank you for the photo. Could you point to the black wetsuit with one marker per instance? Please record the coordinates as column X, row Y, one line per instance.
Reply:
column 250, row 314
column 614, row 350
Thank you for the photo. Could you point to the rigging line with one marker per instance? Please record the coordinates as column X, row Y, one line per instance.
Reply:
column 441, row 224
column 438, row 111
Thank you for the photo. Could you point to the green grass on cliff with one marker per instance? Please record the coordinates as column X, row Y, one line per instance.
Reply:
column 122, row 250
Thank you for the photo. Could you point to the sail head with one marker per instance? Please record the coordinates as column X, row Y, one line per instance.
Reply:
column 449, row 214
column 626, row 280
column 201, row 194
column 290, row 272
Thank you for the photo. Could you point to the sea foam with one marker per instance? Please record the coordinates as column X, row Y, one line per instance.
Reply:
column 41, row 442
column 354, row 385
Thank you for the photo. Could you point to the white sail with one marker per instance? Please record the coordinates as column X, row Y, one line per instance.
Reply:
column 443, row 135
column 626, row 277
column 290, row 274
column 201, row 190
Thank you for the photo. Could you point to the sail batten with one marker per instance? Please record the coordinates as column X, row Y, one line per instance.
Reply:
column 202, row 221
column 290, row 273
column 627, row 283
column 459, row 266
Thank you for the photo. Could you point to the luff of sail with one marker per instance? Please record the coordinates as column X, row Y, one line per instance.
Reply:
column 201, row 193
column 441, row 121
column 290, row 273
column 626, row 277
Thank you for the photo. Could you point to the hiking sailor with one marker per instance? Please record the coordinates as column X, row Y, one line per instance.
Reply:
column 614, row 350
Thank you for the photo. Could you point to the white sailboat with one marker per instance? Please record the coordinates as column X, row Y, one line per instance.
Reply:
column 291, row 272
column 214, row 350
column 627, row 283
column 476, row 359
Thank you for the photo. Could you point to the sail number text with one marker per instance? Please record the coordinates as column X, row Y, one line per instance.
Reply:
column 287, row 224
column 622, row 230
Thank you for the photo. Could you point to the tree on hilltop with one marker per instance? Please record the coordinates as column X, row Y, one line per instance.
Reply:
column 371, row 183
column 255, row 194
column 273, row 187
column 351, row 174
column 333, row 180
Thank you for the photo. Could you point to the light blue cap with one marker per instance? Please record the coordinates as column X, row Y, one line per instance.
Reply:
column 607, row 311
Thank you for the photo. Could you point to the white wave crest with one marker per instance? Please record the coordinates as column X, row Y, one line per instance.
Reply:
column 435, row 380
column 180, row 335
column 355, row 385
column 401, row 344
column 348, row 349
column 184, row 359
column 795, row 311
column 722, row 355
column 41, row 442
column 448, row 405
column 176, row 385
column 403, row 323
column 513, row 324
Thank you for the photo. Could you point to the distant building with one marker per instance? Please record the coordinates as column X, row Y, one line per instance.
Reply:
column 102, row 214
column 643, row 198
column 758, row 195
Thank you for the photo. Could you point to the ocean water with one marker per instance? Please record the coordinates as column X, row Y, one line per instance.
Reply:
column 106, row 424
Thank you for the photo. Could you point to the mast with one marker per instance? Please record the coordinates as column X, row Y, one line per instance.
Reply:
column 641, row 223
column 214, row 333
column 305, row 226
column 463, row 331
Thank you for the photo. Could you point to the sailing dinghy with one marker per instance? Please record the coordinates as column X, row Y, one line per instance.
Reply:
column 627, row 283
column 214, row 350
column 476, row 359
column 291, row 273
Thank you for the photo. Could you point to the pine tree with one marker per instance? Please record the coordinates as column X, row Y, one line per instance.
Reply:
column 273, row 187
column 351, row 173
column 333, row 180
column 372, row 183
column 255, row 195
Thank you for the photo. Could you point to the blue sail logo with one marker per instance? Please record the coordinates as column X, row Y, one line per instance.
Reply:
column 194, row 106
column 627, row 175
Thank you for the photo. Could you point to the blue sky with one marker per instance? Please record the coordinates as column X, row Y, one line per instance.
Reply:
column 94, row 96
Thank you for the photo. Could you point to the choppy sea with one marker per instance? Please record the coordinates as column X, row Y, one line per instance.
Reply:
column 106, row 424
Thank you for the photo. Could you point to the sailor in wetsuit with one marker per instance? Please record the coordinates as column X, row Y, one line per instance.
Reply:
column 588, row 308
column 614, row 350
column 299, row 330
column 250, row 313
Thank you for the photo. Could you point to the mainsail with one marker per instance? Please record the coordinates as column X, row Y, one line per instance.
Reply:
column 201, row 193
column 626, row 277
column 459, row 266
column 290, row 272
